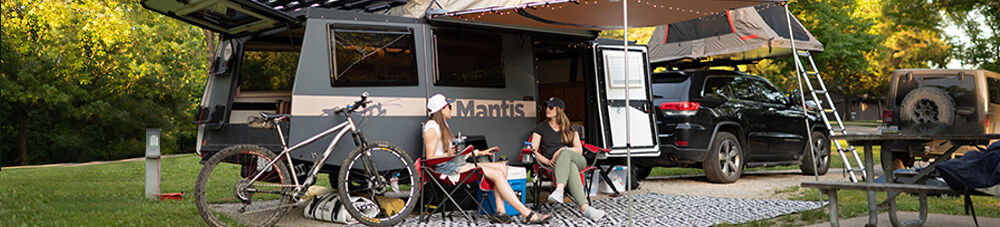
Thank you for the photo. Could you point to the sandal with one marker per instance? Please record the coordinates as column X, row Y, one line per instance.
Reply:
column 541, row 221
column 500, row 218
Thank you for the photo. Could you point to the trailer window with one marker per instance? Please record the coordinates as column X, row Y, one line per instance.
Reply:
column 468, row 59
column 268, row 70
column 372, row 56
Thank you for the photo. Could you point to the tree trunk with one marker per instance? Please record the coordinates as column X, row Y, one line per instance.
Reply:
column 22, row 128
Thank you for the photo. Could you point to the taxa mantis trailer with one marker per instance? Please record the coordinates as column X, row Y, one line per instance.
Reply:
column 499, row 59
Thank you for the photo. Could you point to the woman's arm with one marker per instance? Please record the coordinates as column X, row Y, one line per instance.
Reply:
column 431, row 142
column 577, row 146
column 536, row 143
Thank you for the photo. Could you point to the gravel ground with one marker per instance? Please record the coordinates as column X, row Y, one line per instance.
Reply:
column 753, row 185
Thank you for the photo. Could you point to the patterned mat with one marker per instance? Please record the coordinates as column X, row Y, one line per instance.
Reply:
column 651, row 210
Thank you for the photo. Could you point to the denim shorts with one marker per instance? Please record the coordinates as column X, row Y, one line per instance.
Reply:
column 450, row 167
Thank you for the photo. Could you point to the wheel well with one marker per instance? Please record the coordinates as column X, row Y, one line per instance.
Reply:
column 736, row 131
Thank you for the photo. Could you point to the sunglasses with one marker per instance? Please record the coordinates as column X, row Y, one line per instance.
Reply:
column 550, row 107
column 449, row 106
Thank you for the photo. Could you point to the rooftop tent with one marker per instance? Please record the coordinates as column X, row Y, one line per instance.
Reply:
column 743, row 34
column 589, row 15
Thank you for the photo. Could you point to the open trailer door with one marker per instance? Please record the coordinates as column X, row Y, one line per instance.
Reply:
column 611, row 87
column 229, row 17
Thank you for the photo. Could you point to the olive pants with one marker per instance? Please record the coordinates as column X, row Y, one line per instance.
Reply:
column 567, row 170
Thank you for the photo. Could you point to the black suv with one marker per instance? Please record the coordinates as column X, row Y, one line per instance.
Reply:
column 724, row 121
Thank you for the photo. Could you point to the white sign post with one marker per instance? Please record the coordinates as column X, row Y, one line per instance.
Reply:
column 152, row 163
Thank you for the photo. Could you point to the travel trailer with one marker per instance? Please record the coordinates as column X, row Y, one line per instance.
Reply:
column 499, row 59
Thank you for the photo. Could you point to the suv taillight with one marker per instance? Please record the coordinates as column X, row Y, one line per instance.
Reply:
column 679, row 108
column 888, row 117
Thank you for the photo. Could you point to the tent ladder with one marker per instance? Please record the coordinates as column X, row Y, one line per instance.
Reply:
column 826, row 107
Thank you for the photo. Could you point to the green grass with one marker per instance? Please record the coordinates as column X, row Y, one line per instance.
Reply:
column 100, row 195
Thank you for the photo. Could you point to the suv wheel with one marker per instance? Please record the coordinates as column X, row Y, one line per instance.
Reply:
column 821, row 150
column 725, row 159
column 927, row 105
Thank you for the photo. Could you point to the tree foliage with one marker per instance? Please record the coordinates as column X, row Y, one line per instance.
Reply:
column 86, row 77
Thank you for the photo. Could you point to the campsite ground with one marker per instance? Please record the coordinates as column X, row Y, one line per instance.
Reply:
column 111, row 193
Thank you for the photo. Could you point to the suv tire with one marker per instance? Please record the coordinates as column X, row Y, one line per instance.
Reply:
column 725, row 159
column 822, row 146
column 927, row 105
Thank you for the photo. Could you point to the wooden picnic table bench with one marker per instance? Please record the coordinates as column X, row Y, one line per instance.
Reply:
column 831, row 188
column 894, row 189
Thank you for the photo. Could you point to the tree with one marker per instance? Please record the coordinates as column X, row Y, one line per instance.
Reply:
column 83, row 78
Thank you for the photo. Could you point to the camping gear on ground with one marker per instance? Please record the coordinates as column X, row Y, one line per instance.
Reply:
column 518, row 179
column 976, row 169
column 617, row 175
column 327, row 207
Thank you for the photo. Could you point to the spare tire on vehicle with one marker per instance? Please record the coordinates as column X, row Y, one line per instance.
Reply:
column 927, row 105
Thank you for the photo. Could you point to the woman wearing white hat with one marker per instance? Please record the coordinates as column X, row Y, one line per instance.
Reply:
column 438, row 137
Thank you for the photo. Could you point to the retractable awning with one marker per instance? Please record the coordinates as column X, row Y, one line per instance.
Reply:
column 594, row 15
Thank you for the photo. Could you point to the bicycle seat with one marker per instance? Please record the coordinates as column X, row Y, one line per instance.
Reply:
column 270, row 117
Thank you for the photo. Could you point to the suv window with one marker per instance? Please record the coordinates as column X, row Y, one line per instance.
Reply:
column 372, row 56
column 768, row 93
column 717, row 87
column 268, row 70
column 993, row 88
column 469, row 59
column 741, row 89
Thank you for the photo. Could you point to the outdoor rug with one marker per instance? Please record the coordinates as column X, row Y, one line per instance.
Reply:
column 651, row 210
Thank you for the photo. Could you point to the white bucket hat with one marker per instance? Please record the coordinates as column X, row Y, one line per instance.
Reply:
column 437, row 102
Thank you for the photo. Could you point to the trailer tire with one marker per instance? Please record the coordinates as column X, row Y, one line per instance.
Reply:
column 928, row 105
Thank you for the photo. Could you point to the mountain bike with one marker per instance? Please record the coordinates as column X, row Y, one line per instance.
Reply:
column 378, row 183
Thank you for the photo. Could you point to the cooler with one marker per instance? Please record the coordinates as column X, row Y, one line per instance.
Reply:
column 517, row 177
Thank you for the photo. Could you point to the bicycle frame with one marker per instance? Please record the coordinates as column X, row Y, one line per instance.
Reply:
column 344, row 128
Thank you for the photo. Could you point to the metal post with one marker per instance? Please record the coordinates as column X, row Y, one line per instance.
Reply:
column 152, row 163
column 628, row 120
column 802, row 97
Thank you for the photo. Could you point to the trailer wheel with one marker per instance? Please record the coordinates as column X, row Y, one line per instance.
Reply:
column 928, row 105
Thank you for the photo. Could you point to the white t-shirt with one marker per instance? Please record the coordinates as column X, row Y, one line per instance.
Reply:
column 432, row 124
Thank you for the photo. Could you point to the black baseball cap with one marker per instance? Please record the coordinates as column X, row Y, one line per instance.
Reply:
column 556, row 101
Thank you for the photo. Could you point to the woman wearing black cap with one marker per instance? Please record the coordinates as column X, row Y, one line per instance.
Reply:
column 556, row 144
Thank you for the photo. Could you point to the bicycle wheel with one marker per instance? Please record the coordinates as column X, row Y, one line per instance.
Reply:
column 380, row 183
column 226, row 195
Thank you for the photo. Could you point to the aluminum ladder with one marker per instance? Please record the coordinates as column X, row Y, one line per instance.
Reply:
column 828, row 108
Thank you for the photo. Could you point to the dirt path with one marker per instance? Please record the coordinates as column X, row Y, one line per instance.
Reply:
column 90, row 163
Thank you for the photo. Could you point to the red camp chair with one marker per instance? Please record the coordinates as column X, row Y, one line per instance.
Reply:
column 544, row 173
column 465, row 184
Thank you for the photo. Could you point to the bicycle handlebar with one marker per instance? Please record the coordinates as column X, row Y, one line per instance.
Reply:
column 363, row 103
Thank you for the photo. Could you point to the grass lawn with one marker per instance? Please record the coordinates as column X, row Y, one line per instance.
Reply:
column 100, row 195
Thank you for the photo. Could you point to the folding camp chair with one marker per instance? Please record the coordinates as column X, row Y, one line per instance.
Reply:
column 542, row 172
column 465, row 183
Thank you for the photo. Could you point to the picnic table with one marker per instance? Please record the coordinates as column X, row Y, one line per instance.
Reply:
column 891, row 188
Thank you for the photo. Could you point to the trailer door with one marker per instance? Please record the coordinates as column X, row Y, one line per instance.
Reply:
column 611, row 87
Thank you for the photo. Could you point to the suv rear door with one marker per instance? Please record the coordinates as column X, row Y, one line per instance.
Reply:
column 229, row 17
column 612, row 86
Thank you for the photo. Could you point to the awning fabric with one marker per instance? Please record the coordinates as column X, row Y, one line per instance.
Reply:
column 744, row 34
column 594, row 15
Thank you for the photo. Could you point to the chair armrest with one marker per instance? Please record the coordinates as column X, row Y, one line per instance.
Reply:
column 595, row 149
column 430, row 163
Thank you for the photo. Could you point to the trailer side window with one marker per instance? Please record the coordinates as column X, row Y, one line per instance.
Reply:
column 468, row 59
column 268, row 70
column 372, row 56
